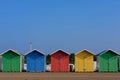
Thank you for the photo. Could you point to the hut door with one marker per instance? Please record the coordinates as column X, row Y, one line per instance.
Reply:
column 60, row 62
column 15, row 63
column 112, row 63
column 38, row 62
column 11, row 62
column 106, row 63
column 7, row 62
column 35, row 62
column 30, row 63
column 41, row 63
column 109, row 63
column 84, row 63
column 60, row 65
column 32, row 66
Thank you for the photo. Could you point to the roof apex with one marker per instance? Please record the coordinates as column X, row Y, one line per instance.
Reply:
column 35, row 50
column 84, row 50
column 12, row 51
column 59, row 50
column 107, row 51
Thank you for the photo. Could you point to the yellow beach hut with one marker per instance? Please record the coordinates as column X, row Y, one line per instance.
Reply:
column 84, row 61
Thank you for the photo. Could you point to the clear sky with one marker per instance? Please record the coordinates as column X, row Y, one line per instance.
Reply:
column 71, row 25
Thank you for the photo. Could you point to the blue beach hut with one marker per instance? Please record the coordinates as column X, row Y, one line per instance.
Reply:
column 35, row 61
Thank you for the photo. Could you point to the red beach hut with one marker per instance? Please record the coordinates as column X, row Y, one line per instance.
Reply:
column 60, row 61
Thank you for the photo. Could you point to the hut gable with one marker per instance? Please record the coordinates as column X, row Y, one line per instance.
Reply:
column 12, row 51
column 59, row 51
column 108, row 52
column 35, row 51
column 84, row 52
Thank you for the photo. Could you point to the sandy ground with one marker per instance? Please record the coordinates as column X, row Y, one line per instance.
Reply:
column 59, row 76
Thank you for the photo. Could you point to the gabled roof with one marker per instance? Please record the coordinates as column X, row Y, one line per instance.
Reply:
column 107, row 51
column 12, row 51
column 84, row 50
column 58, row 51
column 36, row 51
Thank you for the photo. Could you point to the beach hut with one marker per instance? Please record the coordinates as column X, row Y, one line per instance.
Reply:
column 35, row 61
column 60, row 61
column 11, row 61
column 84, row 61
column 107, row 61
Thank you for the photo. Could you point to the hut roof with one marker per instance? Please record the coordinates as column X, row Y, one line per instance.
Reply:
column 107, row 51
column 58, row 51
column 36, row 51
column 12, row 51
column 84, row 50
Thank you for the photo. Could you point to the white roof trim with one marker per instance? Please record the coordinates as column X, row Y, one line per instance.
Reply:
column 84, row 50
column 35, row 50
column 109, row 50
column 60, row 50
column 12, row 51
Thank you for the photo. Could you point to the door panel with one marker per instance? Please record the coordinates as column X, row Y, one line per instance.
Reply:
column 30, row 63
column 16, row 63
column 113, row 64
column 54, row 64
column 104, row 66
column 6, row 63
column 89, row 63
column 39, row 63
column 80, row 63
column 64, row 63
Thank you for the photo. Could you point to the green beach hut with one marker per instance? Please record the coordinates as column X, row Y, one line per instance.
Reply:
column 108, row 61
column 11, row 61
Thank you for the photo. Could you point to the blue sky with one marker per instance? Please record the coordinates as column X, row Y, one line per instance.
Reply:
column 71, row 25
